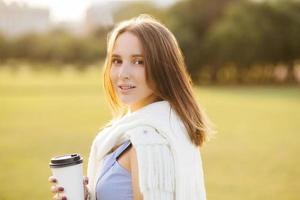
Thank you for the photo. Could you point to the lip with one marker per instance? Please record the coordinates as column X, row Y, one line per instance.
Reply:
column 125, row 91
column 126, row 85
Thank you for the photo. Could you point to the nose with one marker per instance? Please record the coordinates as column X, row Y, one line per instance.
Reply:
column 125, row 71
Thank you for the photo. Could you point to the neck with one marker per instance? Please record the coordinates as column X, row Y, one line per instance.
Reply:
column 150, row 99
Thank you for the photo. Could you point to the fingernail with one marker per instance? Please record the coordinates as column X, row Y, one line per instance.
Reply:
column 64, row 198
column 52, row 179
column 61, row 189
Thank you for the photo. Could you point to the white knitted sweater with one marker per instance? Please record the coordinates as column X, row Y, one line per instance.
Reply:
column 170, row 166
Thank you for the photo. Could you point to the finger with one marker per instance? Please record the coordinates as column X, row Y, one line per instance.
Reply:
column 85, row 189
column 58, row 197
column 55, row 189
column 52, row 179
column 85, row 180
column 86, row 192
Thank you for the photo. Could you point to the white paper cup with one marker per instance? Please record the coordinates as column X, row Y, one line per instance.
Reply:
column 67, row 169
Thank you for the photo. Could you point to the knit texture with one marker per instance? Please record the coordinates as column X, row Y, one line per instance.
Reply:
column 169, row 164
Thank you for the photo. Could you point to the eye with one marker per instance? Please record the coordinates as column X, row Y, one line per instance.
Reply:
column 116, row 61
column 138, row 62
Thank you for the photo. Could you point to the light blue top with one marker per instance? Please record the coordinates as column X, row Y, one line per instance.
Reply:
column 114, row 182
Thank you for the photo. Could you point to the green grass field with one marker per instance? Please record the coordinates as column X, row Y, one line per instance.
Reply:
column 254, row 156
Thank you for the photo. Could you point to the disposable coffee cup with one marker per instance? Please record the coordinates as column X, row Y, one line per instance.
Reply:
column 67, row 169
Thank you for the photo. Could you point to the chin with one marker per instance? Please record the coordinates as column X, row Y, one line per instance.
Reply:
column 127, row 102
column 130, row 102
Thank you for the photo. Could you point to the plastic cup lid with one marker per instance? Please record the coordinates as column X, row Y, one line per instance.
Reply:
column 65, row 160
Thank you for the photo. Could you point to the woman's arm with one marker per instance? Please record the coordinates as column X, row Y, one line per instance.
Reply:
column 134, row 175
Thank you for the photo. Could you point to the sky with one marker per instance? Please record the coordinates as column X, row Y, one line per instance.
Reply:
column 65, row 10
column 61, row 10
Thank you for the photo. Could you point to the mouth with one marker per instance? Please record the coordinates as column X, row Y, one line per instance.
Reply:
column 126, row 87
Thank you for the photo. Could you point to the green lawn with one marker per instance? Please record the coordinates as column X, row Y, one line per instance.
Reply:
column 45, row 113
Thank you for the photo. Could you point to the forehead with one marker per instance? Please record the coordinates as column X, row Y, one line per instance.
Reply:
column 127, row 44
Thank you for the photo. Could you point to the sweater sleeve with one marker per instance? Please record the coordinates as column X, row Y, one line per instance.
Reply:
column 155, row 163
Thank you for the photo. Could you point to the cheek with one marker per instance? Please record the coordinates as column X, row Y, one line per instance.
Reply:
column 143, row 82
column 113, row 75
column 141, row 75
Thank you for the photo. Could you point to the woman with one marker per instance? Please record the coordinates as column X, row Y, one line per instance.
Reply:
column 150, row 150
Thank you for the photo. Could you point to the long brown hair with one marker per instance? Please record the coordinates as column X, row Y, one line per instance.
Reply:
column 164, row 65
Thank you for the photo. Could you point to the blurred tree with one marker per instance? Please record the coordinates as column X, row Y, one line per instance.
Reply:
column 132, row 9
column 288, row 25
column 256, row 33
column 99, row 36
column 57, row 46
column 3, row 48
column 24, row 47
column 190, row 21
column 211, row 33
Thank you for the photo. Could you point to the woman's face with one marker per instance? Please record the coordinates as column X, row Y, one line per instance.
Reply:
column 128, row 73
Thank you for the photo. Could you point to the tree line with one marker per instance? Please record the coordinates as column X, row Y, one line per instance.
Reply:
column 223, row 41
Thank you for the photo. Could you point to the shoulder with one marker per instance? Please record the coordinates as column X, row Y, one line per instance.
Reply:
column 151, row 160
column 146, row 135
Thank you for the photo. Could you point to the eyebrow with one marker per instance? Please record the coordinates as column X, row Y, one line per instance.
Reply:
column 134, row 55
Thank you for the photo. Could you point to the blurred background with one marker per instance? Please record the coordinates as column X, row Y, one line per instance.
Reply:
column 243, row 56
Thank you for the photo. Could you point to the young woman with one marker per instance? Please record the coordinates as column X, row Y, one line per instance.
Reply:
column 150, row 150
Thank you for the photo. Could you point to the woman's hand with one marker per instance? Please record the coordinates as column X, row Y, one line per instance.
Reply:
column 57, row 190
